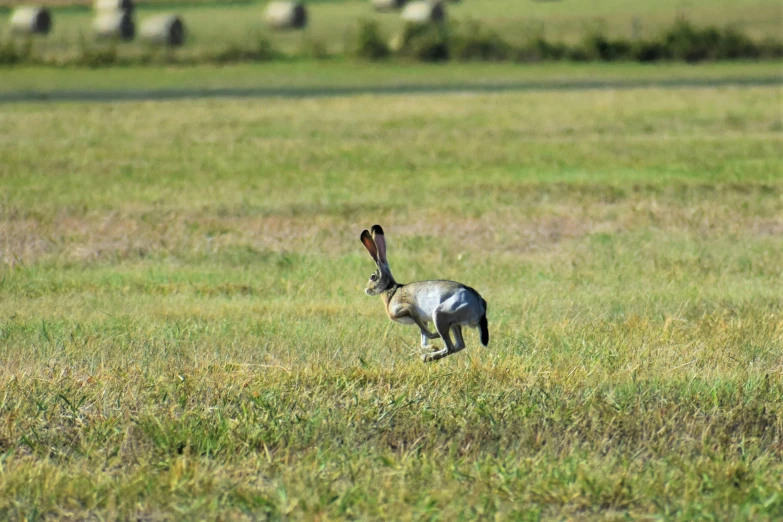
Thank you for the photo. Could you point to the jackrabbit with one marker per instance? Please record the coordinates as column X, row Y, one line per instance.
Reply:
column 447, row 304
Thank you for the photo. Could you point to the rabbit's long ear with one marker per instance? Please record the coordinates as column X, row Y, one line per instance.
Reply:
column 369, row 244
column 380, row 240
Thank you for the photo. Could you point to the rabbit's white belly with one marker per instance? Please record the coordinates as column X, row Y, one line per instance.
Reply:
column 463, row 304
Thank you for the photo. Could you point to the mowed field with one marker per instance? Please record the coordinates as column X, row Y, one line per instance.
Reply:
column 184, row 332
column 333, row 26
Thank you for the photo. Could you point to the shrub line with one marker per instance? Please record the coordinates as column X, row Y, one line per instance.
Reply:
column 683, row 42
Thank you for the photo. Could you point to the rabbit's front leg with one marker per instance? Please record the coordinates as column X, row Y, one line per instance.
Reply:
column 426, row 335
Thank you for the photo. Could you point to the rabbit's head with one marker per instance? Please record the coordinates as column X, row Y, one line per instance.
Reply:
column 381, row 279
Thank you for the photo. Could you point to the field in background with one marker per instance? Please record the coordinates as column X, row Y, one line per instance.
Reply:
column 184, row 332
column 311, row 78
column 334, row 24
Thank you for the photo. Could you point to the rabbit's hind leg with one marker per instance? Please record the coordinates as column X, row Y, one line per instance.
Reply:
column 434, row 356
column 442, row 319
column 459, row 342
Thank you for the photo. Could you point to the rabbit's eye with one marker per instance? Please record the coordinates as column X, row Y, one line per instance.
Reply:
column 373, row 277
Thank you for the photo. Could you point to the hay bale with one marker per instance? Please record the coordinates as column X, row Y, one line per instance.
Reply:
column 286, row 15
column 163, row 30
column 101, row 6
column 388, row 5
column 114, row 25
column 424, row 12
column 31, row 20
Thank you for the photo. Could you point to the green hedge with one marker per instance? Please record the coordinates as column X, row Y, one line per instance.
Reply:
column 440, row 42
column 682, row 42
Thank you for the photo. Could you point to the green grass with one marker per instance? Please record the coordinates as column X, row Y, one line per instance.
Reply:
column 300, row 75
column 335, row 24
column 184, row 332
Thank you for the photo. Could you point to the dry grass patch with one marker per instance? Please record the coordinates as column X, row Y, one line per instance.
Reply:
column 541, row 217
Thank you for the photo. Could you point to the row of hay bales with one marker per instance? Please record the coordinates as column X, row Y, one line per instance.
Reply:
column 417, row 12
column 114, row 19
column 293, row 15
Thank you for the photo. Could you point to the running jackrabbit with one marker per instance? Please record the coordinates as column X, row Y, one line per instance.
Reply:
column 447, row 304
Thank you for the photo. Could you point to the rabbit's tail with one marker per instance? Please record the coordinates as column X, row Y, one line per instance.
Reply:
column 483, row 326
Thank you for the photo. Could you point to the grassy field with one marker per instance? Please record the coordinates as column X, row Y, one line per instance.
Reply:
column 349, row 76
column 184, row 332
column 333, row 25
